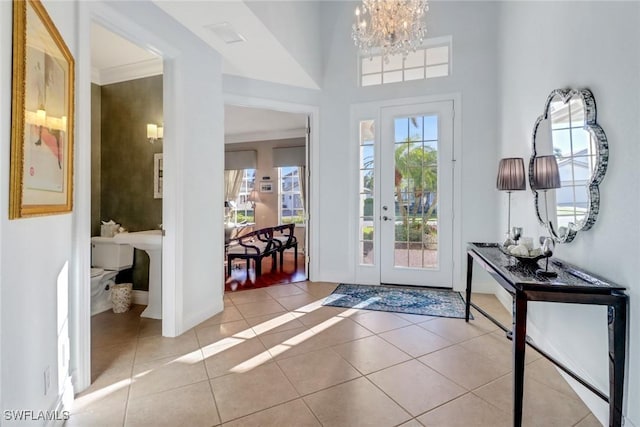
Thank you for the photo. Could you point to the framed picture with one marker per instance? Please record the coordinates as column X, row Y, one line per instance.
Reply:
column 158, row 169
column 266, row 187
column 41, row 181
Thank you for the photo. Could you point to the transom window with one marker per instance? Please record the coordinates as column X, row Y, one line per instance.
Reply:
column 432, row 60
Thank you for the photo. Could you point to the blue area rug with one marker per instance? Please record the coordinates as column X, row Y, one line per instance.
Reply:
column 430, row 302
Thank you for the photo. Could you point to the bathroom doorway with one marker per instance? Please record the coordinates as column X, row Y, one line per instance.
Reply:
column 126, row 193
column 266, row 187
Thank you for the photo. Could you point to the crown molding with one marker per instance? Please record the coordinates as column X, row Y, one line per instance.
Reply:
column 122, row 73
column 265, row 135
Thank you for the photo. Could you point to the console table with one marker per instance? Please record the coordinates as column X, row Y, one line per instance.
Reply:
column 573, row 285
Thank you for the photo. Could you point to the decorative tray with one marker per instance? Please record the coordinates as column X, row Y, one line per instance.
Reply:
column 521, row 258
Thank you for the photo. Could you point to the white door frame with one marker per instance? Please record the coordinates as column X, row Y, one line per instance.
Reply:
column 80, row 307
column 313, row 182
column 366, row 274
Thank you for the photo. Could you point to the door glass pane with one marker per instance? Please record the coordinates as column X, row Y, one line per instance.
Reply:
column 367, row 165
column 416, row 190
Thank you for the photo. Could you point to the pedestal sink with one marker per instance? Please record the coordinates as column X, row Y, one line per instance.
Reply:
column 149, row 241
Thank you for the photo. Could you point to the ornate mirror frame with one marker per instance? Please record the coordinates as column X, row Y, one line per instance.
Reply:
column 601, row 147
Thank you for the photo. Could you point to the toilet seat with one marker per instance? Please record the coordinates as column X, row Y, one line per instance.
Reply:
column 95, row 272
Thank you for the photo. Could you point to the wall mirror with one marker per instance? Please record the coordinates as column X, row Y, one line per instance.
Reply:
column 567, row 130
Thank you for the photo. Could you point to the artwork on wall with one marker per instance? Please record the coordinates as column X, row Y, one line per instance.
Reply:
column 158, row 169
column 41, row 180
column 266, row 187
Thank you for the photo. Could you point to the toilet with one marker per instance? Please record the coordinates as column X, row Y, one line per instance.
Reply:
column 107, row 259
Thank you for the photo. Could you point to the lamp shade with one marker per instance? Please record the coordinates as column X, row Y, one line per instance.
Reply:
column 511, row 174
column 545, row 173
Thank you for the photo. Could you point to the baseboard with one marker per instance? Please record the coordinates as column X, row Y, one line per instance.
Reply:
column 196, row 319
column 60, row 412
column 140, row 297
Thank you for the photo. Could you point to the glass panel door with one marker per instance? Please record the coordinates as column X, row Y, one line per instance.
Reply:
column 416, row 172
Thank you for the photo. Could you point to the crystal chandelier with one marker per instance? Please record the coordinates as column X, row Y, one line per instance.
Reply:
column 394, row 26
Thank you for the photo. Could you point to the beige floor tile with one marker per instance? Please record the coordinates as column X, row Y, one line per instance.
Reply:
column 493, row 306
column 469, row 369
column 371, row 354
column 320, row 316
column 238, row 395
column 215, row 334
column 283, row 290
column 107, row 382
column 294, row 413
column 229, row 314
column 168, row 373
column 416, row 387
column 274, row 323
column 260, row 308
column 415, row 340
column 152, row 348
column 252, row 295
column 102, row 406
column 317, row 370
column 589, row 421
column 415, row 318
column 291, row 342
column 546, row 373
column 380, row 321
column 492, row 346
column 108, row 359
column 301, row 302
column 317, row 289
column 543, row 406
column 355, row 403
column 192, row 405
column 150, row 327
column 338, row 330
column 235, row 356
column 457, row 330
column 468, row 410
column 411, row 423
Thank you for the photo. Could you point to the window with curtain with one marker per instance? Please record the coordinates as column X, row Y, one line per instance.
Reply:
column 244, row 208
column 291, row 195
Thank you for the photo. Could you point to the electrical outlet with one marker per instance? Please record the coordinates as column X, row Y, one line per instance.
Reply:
column 47, row 380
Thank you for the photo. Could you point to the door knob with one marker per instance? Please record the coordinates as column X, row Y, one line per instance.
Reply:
column 384, row 208
column 386, row 218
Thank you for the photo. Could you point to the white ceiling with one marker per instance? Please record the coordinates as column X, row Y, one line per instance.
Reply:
column 112, row 54
column 261, row 56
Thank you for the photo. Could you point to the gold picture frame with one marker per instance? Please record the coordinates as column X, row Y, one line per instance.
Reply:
column 42, row 115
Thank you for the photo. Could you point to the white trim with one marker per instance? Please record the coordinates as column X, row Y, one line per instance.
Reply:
column 121, row 73
column 63, row 403
column 80, row 308
column 140, row 297
column 265, row 136
column 313, row 166
column 371, row 110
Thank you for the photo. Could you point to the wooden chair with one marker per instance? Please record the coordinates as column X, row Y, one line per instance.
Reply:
column 255, row 246
column 283, row 235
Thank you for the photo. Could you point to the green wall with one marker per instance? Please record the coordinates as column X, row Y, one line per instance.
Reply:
column 126, row 161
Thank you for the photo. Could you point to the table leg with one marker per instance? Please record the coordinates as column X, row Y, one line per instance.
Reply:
column 469, row 275
column 519, row 345
column 617, row 314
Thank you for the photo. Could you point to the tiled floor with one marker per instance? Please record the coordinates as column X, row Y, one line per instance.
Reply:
column 277, row 357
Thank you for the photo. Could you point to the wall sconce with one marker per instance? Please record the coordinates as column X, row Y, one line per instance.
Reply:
column 154, row 132
column 254, row 198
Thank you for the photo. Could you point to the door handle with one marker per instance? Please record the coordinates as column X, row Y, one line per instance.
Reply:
column 386, row 218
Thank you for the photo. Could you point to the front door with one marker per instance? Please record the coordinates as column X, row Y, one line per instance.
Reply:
column 416, row 194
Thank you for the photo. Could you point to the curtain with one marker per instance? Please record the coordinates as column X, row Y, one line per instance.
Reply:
column 232, row 184
column 303, row 186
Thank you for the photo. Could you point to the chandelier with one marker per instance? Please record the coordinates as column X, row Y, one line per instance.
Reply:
column 394, row 26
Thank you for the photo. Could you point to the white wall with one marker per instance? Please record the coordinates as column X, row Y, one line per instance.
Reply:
column 34, row 252
column 296, row 25
column 474, row 77
column 552, row 45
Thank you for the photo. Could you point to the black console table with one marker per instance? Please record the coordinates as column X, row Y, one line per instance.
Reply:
column 573, row 285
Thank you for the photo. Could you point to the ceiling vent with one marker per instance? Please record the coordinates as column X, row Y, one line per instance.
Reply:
column 226, row 32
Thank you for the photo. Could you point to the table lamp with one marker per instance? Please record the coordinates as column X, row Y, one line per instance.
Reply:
column 546, row 176
column 510, row 178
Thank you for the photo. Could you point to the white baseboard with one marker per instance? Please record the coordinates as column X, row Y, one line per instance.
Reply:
column 60, row 411
column 140, row 297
